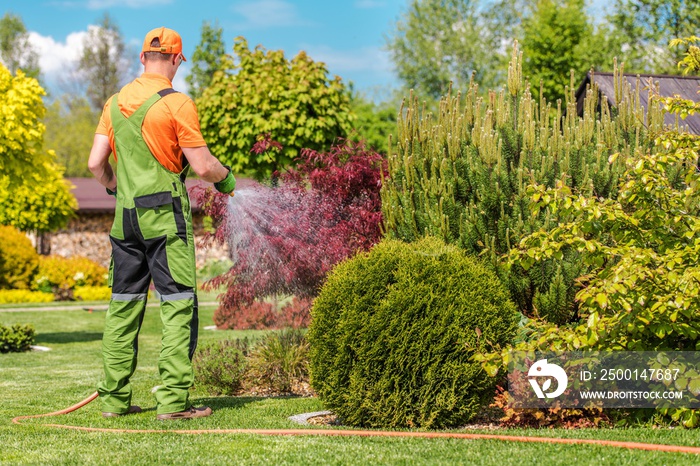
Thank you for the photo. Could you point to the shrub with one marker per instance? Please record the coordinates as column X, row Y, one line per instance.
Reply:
column 548, row 417
column 295, row 314
column 18, row 259
column 643, row 291
column 220, row 367
column 266, row 315
column 294, row 100
column 57, row 272
column 256, row 316
column 393, row 330
column 24, row 296
column 16, row 339
column 92, row 293
column 279, row 362
column 462, row 175
column 285, row 240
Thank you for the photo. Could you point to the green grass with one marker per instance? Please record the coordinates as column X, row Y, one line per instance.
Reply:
column 36, row 382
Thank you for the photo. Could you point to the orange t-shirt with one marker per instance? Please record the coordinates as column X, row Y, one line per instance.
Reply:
column 170, row 124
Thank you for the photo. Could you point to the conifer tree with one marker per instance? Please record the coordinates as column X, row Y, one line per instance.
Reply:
column 462, row 174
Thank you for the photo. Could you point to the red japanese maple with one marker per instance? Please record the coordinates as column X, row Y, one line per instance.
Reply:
column 285, row 239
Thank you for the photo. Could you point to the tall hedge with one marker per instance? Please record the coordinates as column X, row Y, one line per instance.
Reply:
column 393, row 330
column 462, row 173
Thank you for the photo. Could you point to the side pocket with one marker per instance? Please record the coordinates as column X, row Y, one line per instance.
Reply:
column 181, row 261
column 151, row 201
column 155, row 215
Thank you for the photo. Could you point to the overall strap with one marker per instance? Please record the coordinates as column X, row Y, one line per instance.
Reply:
column 139, row 173
column 167, row 91
column 137, row 117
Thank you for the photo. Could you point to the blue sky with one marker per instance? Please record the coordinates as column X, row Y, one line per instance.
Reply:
column 349, row 35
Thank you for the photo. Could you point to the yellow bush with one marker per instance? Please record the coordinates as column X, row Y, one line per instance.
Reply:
column 24, row 296
column 92, row 293
column 63, row 272
column 18, row 259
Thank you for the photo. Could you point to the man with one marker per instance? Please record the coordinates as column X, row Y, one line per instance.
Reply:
column 154, row 134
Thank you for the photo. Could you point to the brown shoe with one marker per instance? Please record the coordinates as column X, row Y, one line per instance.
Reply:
column 191, row 413
column 132, row 410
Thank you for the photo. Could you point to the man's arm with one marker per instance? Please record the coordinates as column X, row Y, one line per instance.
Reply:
column 210, row 169
column 98, row 163
column 205, row 165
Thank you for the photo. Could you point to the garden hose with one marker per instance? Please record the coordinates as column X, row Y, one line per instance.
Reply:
column 75, row 407
column 364, row 433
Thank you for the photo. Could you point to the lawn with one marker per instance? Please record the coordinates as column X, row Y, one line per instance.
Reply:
column 38, row 382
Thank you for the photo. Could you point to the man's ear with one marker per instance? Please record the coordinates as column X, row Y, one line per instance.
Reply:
column 142, row 57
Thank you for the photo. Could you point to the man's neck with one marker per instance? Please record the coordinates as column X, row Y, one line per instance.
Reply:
column 161, row 68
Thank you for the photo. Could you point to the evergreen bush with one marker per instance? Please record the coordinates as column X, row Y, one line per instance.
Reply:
column 462, row 174
column 18, row 259
column 393, row 330
column 16, row 339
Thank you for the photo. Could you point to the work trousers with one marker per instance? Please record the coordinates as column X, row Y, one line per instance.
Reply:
column 168, row 260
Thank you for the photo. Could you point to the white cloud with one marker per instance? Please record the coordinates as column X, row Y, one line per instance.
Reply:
column 367, row 4
column 58, row 60
column 54, row 56
column 268, row 13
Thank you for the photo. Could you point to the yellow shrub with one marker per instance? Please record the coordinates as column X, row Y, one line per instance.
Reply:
column 24, row 296
column 18, row 259
column 63, row 272
column 92, row 293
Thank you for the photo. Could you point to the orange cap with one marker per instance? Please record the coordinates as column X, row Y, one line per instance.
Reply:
column 170, row 41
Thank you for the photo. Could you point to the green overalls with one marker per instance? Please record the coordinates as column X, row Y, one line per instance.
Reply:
column 151, row 238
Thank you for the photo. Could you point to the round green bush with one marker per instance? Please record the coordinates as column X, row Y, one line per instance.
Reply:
column 18, row 259
column 393, row 330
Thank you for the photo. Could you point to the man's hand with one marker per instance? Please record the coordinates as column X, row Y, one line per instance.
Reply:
column 228, row 184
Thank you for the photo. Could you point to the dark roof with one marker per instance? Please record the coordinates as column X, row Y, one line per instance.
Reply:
column 684, row 86
column 93, row 198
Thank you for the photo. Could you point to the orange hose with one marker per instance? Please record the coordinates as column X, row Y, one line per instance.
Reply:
column 58, row 413
column 364, row 433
